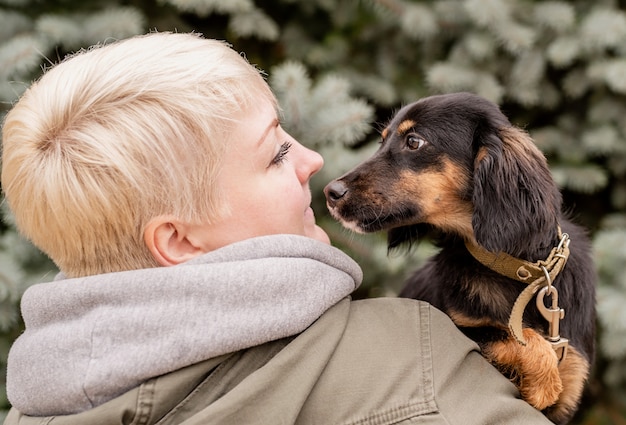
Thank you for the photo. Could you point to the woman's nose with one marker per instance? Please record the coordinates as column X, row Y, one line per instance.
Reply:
column 310, row 163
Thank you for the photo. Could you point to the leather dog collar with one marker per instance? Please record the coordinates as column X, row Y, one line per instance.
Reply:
column 537, row 275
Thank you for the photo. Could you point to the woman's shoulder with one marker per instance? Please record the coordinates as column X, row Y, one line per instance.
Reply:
column 397, row 317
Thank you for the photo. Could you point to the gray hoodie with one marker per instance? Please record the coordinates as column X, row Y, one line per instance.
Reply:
column 90, row 339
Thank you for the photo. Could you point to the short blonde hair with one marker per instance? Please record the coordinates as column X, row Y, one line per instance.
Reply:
column 116, row 135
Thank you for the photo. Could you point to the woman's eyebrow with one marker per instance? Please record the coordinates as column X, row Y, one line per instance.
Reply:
column 275, row 123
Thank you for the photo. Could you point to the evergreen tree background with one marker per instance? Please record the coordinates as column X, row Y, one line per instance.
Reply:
column 342, row 67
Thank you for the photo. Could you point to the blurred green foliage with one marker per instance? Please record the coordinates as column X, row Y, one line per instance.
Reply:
column 342, row 67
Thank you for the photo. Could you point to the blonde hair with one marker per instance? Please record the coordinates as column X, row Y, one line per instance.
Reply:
column 118, row 134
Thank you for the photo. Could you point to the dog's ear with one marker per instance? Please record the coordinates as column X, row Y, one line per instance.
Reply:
column 516, row 202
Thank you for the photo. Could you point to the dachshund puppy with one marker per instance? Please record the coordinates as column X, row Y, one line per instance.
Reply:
column 513, row 273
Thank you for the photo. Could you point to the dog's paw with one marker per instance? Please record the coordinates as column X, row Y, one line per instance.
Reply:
column 574, row 370
column 533, row 367
column 543, row 395
column 543, row 389
column 540, row 379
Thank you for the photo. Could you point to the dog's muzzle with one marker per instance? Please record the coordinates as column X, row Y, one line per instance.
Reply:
column 335, row 191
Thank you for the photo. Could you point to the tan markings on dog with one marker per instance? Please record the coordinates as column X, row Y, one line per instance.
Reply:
column 534, row 367
column 519, row 146
column 482, row 153
column 384, row 133
column 405, row 126
column 464, row 321
column 437, row 193
column 574, row 370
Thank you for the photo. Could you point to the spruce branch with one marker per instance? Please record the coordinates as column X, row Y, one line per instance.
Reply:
column 21, row 265
column 291, row 83
column 588, row 178
column 528, row 68
column 603, row 28
column 450, row 14
column 489, row 87
column 576, row 83
column 387, row 10
column 418, row 22
column 296, row 42
column 515, row 38
column 448, row 77
column 602, row 140
column 488, row 13
column 378, row 89
column 479, row 45
column 310, row 5
column 321, row 113
column 344, row 123
column 20, row 56
column 332, row 51
column 609, row 109
column 609, row 252
column 618, row 193
column 615, row 75
column 204, row 8
column 548, row 138
column 527, row 96
column 558, row 16
column 610, row 72
column 113, row 23
column 330, row 86
column 12, row 23
column 563, row 51
column 63, row 30
column 525, row 78
column 254, row 23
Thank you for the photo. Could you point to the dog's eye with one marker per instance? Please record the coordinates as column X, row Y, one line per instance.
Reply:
column 414, row 142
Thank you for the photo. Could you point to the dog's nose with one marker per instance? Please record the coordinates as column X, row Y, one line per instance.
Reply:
column 334, row 191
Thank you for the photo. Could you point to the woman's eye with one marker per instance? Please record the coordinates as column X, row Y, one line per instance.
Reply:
column 414, row 142
column 282, row 153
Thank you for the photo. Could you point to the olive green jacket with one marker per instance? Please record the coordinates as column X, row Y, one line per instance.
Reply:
column 382, row 361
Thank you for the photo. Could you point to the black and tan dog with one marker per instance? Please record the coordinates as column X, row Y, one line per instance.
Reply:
column 454, row 167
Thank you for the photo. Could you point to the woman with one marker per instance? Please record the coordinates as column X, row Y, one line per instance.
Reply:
column 195, row 286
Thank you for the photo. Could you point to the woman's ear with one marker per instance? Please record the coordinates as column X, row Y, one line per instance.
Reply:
column 169, row 241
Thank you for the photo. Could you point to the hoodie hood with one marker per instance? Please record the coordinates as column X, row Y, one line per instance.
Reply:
column 88, row 340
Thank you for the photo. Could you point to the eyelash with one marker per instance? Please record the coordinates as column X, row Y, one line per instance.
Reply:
column 282, row 153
